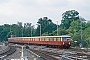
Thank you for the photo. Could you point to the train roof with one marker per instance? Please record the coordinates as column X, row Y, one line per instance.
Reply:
column 41, row 36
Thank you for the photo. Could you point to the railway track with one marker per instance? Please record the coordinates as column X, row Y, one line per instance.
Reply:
column 43, row 55
column 12, row 50
column 57, row 54
column 63, row 54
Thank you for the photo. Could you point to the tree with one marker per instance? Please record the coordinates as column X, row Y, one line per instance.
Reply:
column 45, row 34
column 68, row 17
column 60, row 32
column 46, row 26
column 88, row 24
column 75, row 27
column 27, row 29
column 75, row 31
column 4, row 32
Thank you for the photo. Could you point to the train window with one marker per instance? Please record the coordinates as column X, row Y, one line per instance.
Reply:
column 49, row 39
column 44, row 39
column 25, row 38
column 28, row 39
column 22, row 39
column 34, row 39
column 65, row 39
column 68, row 39
column 37, row 39
column 41, row 39
column 52, row 39
column 56, row 39
column 31, row 39
column 59, row 39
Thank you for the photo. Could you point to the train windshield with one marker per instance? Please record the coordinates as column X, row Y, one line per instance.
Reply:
column 66, row 39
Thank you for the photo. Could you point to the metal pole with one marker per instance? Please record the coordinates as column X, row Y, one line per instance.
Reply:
column 57, row 28
column 10, row 30
column 40, row 29
column 81, row 31
column 22, row 31
column 3, row 27
column 31, row 31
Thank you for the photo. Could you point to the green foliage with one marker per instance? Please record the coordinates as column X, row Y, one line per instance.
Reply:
column 46, row 26
column 3, row 36
column 75, row 27
column 86, row 32
column 6, row 30
column 88, row 24
column 45, row 34
column 68, row 17
column 60, row 32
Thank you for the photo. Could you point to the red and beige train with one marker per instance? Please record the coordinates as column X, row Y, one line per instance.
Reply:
column 53, row 41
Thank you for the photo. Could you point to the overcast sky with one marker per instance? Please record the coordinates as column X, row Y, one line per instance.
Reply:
column 12, row 11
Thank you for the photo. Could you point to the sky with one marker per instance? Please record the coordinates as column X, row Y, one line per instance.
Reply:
column 13, row 11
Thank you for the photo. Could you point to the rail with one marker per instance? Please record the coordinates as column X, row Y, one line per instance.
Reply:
column 4, row 49
column 12, row 50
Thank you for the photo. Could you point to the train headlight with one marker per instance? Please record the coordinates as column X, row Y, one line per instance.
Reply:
column 69, row 43
column 63, row 43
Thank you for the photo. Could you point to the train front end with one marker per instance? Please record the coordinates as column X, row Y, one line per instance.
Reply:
column 66, row 42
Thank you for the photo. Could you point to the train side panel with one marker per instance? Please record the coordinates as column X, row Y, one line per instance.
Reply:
column 64, row 41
